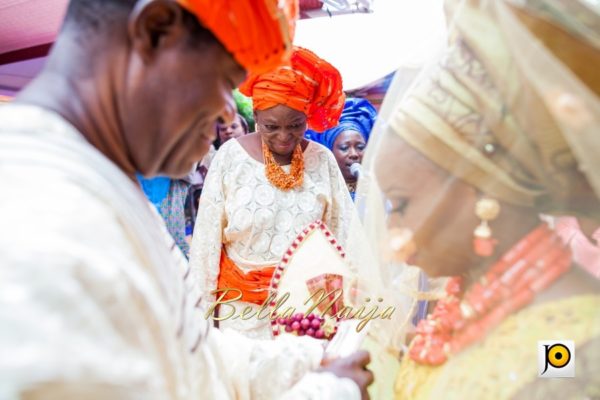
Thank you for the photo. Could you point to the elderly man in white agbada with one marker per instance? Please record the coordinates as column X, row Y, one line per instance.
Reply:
column 93, row 302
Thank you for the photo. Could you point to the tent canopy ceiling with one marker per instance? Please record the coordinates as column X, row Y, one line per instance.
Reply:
column 329, row 8
column 367, row 39
column 29, row 23
column 367, row 47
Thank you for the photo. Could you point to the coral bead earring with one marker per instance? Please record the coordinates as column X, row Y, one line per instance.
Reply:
column 486, row 209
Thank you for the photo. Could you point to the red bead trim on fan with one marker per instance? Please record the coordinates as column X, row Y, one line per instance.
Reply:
column 306, row 232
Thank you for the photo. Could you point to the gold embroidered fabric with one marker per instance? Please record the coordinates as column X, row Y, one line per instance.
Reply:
column 512, row 108
column 504, row 364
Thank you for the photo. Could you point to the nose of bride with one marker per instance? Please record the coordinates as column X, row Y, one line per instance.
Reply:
column 402, row 246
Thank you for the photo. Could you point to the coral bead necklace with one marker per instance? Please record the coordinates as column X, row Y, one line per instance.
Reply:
column 466, row 316
column 277, row 176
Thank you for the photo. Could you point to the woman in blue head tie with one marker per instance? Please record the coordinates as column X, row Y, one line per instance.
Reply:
column 349, row 139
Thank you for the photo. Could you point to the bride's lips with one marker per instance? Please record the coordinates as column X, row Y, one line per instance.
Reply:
column 413, row 259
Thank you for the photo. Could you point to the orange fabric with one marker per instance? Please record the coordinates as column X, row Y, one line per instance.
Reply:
column 308, row 84
column 254, row 285
column 258, row 33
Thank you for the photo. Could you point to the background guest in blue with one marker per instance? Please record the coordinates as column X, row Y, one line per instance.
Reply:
column 168, row 196
column 349, row 139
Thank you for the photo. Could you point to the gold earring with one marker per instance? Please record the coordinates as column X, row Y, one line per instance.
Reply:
column 486, row 209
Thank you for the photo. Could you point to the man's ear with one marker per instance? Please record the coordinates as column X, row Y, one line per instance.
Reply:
column 155, row 24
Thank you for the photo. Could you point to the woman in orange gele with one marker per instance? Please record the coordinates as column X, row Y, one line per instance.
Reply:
column 503, row 129
column 263, row 188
